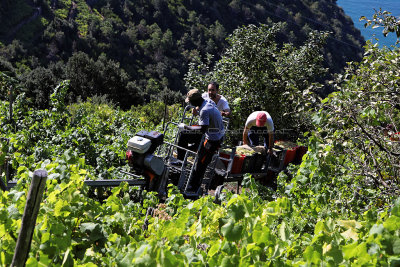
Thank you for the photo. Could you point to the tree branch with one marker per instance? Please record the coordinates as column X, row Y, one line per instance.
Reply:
column 373, row 139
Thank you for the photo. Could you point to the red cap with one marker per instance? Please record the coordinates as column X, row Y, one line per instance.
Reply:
column 261, row 119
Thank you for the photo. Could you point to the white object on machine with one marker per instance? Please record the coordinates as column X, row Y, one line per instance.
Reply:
column 139, row 144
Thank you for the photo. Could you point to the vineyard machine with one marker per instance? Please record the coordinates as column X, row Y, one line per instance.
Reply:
column 155, row 159
column 154, row 164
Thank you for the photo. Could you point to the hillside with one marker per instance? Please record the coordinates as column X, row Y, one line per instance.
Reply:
column 339, row 207
column 137, row 50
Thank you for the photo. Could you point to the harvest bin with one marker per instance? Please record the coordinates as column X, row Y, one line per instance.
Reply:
column 237, row 162
column 290, row 149
column 249, row 163
column 260, row 159
column 290, row 156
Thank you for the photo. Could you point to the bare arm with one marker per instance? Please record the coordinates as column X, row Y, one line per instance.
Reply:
column 226, row 113
column 271, row 142
column 245, row 139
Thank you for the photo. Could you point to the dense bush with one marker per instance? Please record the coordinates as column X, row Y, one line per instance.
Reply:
column 255, row 73
column 135, row 51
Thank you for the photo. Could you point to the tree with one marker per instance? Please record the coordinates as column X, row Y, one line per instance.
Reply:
column 111, row 80
column 358, row 124
column 386, row 20
column 255, row 73
column 39, row 84
column 81, row 71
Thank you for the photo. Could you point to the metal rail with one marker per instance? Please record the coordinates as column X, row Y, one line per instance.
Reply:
column 100, row 183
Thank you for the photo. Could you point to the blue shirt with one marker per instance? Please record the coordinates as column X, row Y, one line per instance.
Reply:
column 211, row 116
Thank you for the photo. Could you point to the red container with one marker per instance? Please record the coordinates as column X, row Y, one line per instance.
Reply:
column 290, row 156
column 226, row 156
column 290, row 152
column 237, row 162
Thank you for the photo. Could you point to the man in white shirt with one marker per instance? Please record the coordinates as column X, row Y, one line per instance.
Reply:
column 259, row 123
column 219, row 100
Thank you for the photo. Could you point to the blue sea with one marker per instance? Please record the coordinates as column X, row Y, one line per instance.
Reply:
column 357, row 8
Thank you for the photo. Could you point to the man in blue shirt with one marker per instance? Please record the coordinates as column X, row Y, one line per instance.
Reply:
column 211, row 126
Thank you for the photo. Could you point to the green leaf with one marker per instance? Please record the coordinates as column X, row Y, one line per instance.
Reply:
column 229, row 261
column 263, row 236
column 214, row 249
column 127, row 259
column 93, row 229
column 31, row 262
column 168, row 259
column 396, row 246
column 350, row 250
column 394, row 261
column 336, row 253
column 319, row 227
column 373, row 249
column 376, row 229
column 349, row 224
column 236, row 210
column 350, row 234
column 396, row 208
column 392, row 223
column 283, row 232
column 232, row 231
column 312, row 256
column 59, row 208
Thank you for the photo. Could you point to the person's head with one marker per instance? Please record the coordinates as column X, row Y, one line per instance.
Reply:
column 212, row 89
column 261, row 119
column 194, row 98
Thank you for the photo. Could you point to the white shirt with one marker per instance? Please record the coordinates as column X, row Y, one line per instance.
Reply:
column 251, row 121
column 222, row 104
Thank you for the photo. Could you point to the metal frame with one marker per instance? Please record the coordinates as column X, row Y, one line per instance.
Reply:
column 187, row 168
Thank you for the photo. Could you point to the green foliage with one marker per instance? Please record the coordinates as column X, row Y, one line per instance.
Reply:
column 326, row 214
column 358, row 126
column 146, row 45
column 92, row 129
column 339, row 207
column 38, row 84
column 256, row 74
column 386, row 20
column 244, row 230
column 13, row 12
column 57, row 98
column 156, row 112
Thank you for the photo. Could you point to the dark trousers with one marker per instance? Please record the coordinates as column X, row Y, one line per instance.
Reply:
column 206, row 152
column 190, row 141
column 255, row 133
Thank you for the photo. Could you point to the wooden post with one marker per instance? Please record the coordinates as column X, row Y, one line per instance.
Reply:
column 29, row 218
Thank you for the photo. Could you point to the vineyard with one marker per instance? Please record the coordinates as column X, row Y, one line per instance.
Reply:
column 303, row 222
column 340, row 206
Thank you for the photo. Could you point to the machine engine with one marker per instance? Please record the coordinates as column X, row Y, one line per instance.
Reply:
column 140, row 153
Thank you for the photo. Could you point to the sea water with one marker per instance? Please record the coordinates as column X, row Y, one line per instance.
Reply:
column 357, row 8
